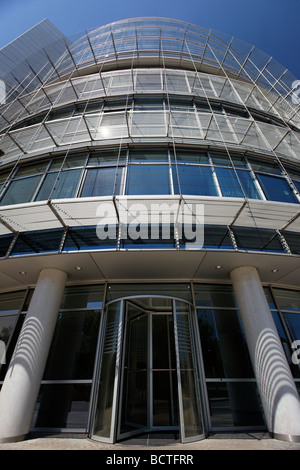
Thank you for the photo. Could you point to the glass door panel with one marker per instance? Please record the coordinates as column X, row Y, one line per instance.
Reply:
column 134, row 387
column 191, row 419
column 104, row 424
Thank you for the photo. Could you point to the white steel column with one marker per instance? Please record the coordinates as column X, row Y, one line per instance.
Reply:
column 23, row 378
column 277, row 389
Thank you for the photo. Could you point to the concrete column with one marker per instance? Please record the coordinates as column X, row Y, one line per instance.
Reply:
column 23, row 378
column 277, row 389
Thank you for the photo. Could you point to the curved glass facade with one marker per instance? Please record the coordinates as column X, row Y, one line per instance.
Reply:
column 140, row 130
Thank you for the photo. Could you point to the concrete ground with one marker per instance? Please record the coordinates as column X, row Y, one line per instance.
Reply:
column 247, row 441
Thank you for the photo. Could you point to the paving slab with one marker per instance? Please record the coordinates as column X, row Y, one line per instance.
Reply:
column 246, row 441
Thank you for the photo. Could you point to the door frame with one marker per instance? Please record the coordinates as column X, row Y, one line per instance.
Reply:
column 117, row 379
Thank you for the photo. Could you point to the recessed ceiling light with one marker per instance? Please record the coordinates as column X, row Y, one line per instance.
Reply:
column 219, row 267
column 78, row 268
column 275, row 270
column 22, row 272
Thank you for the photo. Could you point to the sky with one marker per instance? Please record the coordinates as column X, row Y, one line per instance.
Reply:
column 271, row 25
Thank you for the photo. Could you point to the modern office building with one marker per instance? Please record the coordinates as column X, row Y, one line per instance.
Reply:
column 149, row 234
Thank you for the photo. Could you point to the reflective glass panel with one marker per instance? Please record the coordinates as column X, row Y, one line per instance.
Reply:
column 5, row 241
column 38, row 242
column 234, row 404
column 257, row 239
column 62, row 406
column 103, row 417
column 276, row 189
column 21, row 190
column 148, row 179
column 248, row 184
column 214, row 296
column 102, row 182
column 72, row 353
column 287, row 299
column 86, row 238
column 293, row 241
column 229, row 184
column 88, row 297
column 224, row 348
column 195, row 180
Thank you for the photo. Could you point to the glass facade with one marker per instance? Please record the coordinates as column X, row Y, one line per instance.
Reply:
column 144, row 172
column 160, row 113
column 65, row 397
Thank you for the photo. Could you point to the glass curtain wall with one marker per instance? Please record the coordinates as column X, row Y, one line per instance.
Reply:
column 232, row 394
column 64, row 397
column 150, row 172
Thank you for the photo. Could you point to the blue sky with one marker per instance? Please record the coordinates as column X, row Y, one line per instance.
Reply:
column 270, row 25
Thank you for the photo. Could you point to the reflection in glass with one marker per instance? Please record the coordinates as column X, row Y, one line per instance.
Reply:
column 191, row 419
column 62, row 406
column 234, row 404
column 276, row 189
column 103, row 417
column 21, row 190
column 102, row 182
column 73, row 348
column 135, row 395
column 148, row 179
column 196, row 180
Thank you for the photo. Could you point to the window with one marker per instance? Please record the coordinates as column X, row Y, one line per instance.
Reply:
column 231, row 393
column 21, row 190
column 196, row 180
column 44, row 241
column 59, row 185
column 24, row 184
column 276, row 189
column 148, row 179
column 86, row 238
column 102, row 182
column 228, row 182
column 257, row 239
column 293, row 241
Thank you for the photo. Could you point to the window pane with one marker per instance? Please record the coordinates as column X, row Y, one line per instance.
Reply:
column 21, row 190
column 159, row 156
column 196, row 180
column 38, row 242
column 33, row 169
column 5, row 241
column 276, row 189
column 267, row 167
column 147, row 237
column 234, row 404
column 11, row 302
column 73, row 349
column 214, row 296
column 86, row 238
column 229, row 183
column 46, row 187
column 106, row 158
column 102, row 182
column 66, row 184
column 89, row 297
column 248, row 184
column 293, row 240
column 223, row 344
column 71, row 161
column 190, row 157
column 62, row 406
column 257, row 239
column 148, row 179
column 287, row 299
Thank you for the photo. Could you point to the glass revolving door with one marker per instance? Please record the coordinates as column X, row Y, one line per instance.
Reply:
column 148, row 376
